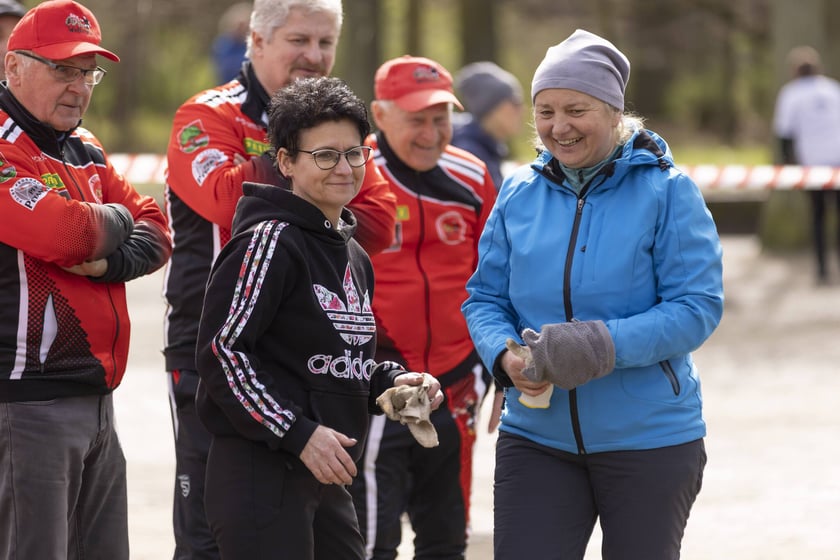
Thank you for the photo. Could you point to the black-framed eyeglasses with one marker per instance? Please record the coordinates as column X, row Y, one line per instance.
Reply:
column 65, row 73
column 327, row 158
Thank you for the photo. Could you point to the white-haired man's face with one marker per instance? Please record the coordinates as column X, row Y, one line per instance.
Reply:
column 304, row 47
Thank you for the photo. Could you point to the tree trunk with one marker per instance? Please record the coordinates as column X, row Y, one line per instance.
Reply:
column 478, row 30
column 359, row 50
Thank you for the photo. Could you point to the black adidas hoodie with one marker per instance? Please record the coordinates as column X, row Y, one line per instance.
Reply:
column 287, row 337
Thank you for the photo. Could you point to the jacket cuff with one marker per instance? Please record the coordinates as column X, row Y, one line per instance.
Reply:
column 298, row 435
column 382, row 378
column 499, row 374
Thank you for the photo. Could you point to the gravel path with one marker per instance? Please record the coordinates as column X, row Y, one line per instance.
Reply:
column 772, row 394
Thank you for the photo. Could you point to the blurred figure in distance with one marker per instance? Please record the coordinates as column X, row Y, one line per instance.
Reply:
column 806, row 122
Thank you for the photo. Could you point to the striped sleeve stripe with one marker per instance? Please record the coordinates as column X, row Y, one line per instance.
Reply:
column 219, row 96
column 469, row 169
column 10, row 131
column 241, row 377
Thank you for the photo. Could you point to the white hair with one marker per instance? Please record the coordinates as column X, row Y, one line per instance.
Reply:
column 269, row 15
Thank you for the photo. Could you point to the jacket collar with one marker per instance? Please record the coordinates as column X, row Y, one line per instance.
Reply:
column 394, row 162
column 49, row 140
column 257, row 100
column 643, row 148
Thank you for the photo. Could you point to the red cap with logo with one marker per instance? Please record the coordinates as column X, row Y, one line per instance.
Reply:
column 59, row 29
column 414, row 83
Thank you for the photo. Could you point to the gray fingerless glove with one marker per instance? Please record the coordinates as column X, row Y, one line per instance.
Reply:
column 569, row 354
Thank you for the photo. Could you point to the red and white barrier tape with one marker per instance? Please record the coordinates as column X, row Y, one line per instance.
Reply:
column 763, row 177
column 150, row 168
column 140, row 168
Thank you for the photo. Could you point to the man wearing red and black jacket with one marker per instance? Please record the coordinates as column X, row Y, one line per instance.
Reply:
column 444, row 195
column 73, row 232
column 219, row 141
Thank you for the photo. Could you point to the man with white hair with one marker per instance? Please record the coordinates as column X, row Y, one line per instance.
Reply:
column 218, row 142
column 444, row 195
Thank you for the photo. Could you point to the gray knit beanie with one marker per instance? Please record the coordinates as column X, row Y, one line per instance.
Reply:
column 11, row 8
column 587, row 63
column 483, row 85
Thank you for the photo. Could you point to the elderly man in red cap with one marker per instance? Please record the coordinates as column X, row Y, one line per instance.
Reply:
column 73, row 232
column 444, row 195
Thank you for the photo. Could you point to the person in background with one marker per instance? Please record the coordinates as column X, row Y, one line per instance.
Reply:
column 492, row 97
column 231, row 44
column 286, row 343
column 806, row 122
column 73, row 233
column 218, row 142
column 10, row 13
column 444, row 195
column 604, row 260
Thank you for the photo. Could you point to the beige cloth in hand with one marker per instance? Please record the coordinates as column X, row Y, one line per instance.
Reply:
column 543, row 400
column 410, row 405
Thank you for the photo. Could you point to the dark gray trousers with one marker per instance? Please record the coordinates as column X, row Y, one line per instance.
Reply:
column 547, row 501
column 62, row 481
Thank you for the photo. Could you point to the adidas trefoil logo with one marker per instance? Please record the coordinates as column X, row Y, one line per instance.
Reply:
column 353, row 320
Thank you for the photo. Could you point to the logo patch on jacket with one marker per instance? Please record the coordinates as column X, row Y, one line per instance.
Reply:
column 95, row 185
column 7, row 171
column 205, row 162
column 28, row 192
column 255, row 148
column 53, row 181
column 192, row 137
column 353, row 320
column 451, row 227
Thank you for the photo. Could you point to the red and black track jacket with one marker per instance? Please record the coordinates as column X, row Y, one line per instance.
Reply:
column 63, row 203
column 204, row 184
column 421, row 278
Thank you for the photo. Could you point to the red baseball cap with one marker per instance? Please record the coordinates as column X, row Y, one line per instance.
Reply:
column 414, row 83
column 59, row 29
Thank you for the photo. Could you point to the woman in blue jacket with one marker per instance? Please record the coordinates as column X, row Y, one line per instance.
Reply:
column 599, row 273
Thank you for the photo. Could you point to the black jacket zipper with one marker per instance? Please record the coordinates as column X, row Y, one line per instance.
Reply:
column 567, row 293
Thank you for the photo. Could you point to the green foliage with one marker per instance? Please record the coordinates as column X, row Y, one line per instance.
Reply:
column 691, row 99
column 170, row 73
column 785, row 221
column 437, row 26
column 166, row 86
column 719, row 154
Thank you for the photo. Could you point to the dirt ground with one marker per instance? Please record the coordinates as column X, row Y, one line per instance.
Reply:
column 772, row 401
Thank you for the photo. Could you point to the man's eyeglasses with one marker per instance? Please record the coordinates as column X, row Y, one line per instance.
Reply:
column 67, row 74
column 327, row 158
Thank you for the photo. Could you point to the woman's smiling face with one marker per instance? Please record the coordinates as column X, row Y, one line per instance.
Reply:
column 331, row 189
column 579, row 130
